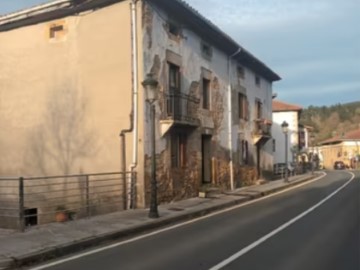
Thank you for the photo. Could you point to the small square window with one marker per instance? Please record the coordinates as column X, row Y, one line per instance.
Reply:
column 56, row 31
column 257, row 80
column 174, row 29
column 240, row 72
column 206, row 51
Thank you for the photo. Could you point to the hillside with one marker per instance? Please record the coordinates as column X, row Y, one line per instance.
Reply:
column 332, row 120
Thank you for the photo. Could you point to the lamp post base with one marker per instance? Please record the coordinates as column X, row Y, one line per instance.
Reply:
column 153, row 214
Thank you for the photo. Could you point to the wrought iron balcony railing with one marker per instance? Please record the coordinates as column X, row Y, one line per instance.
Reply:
column 263, row 127
column 181, row 108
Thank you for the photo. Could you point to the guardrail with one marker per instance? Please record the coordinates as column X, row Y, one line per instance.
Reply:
column 30, row 201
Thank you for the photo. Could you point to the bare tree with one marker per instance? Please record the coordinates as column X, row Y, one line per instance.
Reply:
column 63, row 137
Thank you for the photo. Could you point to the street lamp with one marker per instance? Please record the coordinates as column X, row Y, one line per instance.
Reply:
column 150, row 88
column 312, row 139
column 285, row 129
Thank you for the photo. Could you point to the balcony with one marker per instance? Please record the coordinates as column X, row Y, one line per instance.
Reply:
column 180, row 110
column 262, row 130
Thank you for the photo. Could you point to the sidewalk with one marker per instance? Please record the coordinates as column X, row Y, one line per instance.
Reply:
column 56, row 239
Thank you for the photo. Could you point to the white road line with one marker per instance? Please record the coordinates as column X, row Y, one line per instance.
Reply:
column 169, row 228
column 279, row 229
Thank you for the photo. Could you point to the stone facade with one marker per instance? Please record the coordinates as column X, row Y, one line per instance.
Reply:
column 184, row 49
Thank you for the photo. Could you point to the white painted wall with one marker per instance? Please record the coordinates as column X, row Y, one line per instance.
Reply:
column 291, row 118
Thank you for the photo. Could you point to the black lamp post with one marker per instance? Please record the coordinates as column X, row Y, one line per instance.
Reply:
column 285, row 129
column 150, row 86
column 312, row 140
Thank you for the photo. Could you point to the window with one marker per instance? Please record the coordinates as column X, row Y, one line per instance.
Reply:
column 56, row 31
column 206, row 94
column 242, row 106
column 206, row 51
column 178, row 150
column 174, row 78
column 174, row 29
column 173, row 101
column 259, row 109
column 257, row 80
column 240, row 72
column 30, row 215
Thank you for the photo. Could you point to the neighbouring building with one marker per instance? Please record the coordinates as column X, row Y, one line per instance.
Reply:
column 297, row 138
column 70, row 83
column 343, row 147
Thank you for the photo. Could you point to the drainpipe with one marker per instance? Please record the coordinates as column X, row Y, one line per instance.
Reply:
column 135, row 68
column 127, row 196
column 231, row 165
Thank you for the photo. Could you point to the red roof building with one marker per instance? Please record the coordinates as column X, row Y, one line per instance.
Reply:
column 279, row 106
column 350, row 136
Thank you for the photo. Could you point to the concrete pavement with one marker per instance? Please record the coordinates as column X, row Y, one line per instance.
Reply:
column 58, row 239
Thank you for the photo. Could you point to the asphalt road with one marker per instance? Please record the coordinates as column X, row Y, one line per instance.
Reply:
column 328, row 237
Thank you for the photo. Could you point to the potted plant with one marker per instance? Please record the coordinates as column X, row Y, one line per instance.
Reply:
column 61, row 214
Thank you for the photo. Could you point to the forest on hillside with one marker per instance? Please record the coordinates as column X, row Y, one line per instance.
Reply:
column 329, row 121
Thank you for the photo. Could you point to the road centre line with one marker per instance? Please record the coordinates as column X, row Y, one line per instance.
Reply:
column 279, row 229
column 84, row 254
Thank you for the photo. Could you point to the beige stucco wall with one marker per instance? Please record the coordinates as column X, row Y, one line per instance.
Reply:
column 63, row 102
column 343, row 151
column 75, row 89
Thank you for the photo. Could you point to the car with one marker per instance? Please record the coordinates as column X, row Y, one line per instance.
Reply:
column 339, row 165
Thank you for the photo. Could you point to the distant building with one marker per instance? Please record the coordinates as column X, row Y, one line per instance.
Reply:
column 291, row 114
column 344, row 147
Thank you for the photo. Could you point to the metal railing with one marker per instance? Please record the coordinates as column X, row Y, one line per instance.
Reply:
column 262, row 127
column 29, row 201
column 181, row 107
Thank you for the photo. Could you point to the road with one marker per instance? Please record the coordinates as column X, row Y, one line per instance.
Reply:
column 313, row 227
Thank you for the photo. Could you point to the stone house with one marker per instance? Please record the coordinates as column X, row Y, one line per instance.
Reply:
column 290, row 113
column 343, row 147
column 70, row 83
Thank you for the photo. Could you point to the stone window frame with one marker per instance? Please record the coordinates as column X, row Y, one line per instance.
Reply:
column 259, row 109
column 174, row 59
column 243, row 106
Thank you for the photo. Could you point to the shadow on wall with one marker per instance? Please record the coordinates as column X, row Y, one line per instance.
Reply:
column 63, row 138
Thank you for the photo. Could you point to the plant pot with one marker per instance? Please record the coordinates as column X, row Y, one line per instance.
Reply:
column 61, row 216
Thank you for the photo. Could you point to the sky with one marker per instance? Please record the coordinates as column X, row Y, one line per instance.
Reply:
column 314, row 45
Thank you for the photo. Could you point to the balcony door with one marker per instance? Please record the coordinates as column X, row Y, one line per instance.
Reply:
column 174, row 99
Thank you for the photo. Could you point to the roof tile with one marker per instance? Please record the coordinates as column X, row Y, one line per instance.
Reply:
column 353, row 135
column 280, row 106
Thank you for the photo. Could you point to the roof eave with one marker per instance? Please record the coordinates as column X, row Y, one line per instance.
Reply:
column 185, row 13
column 41, row 14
